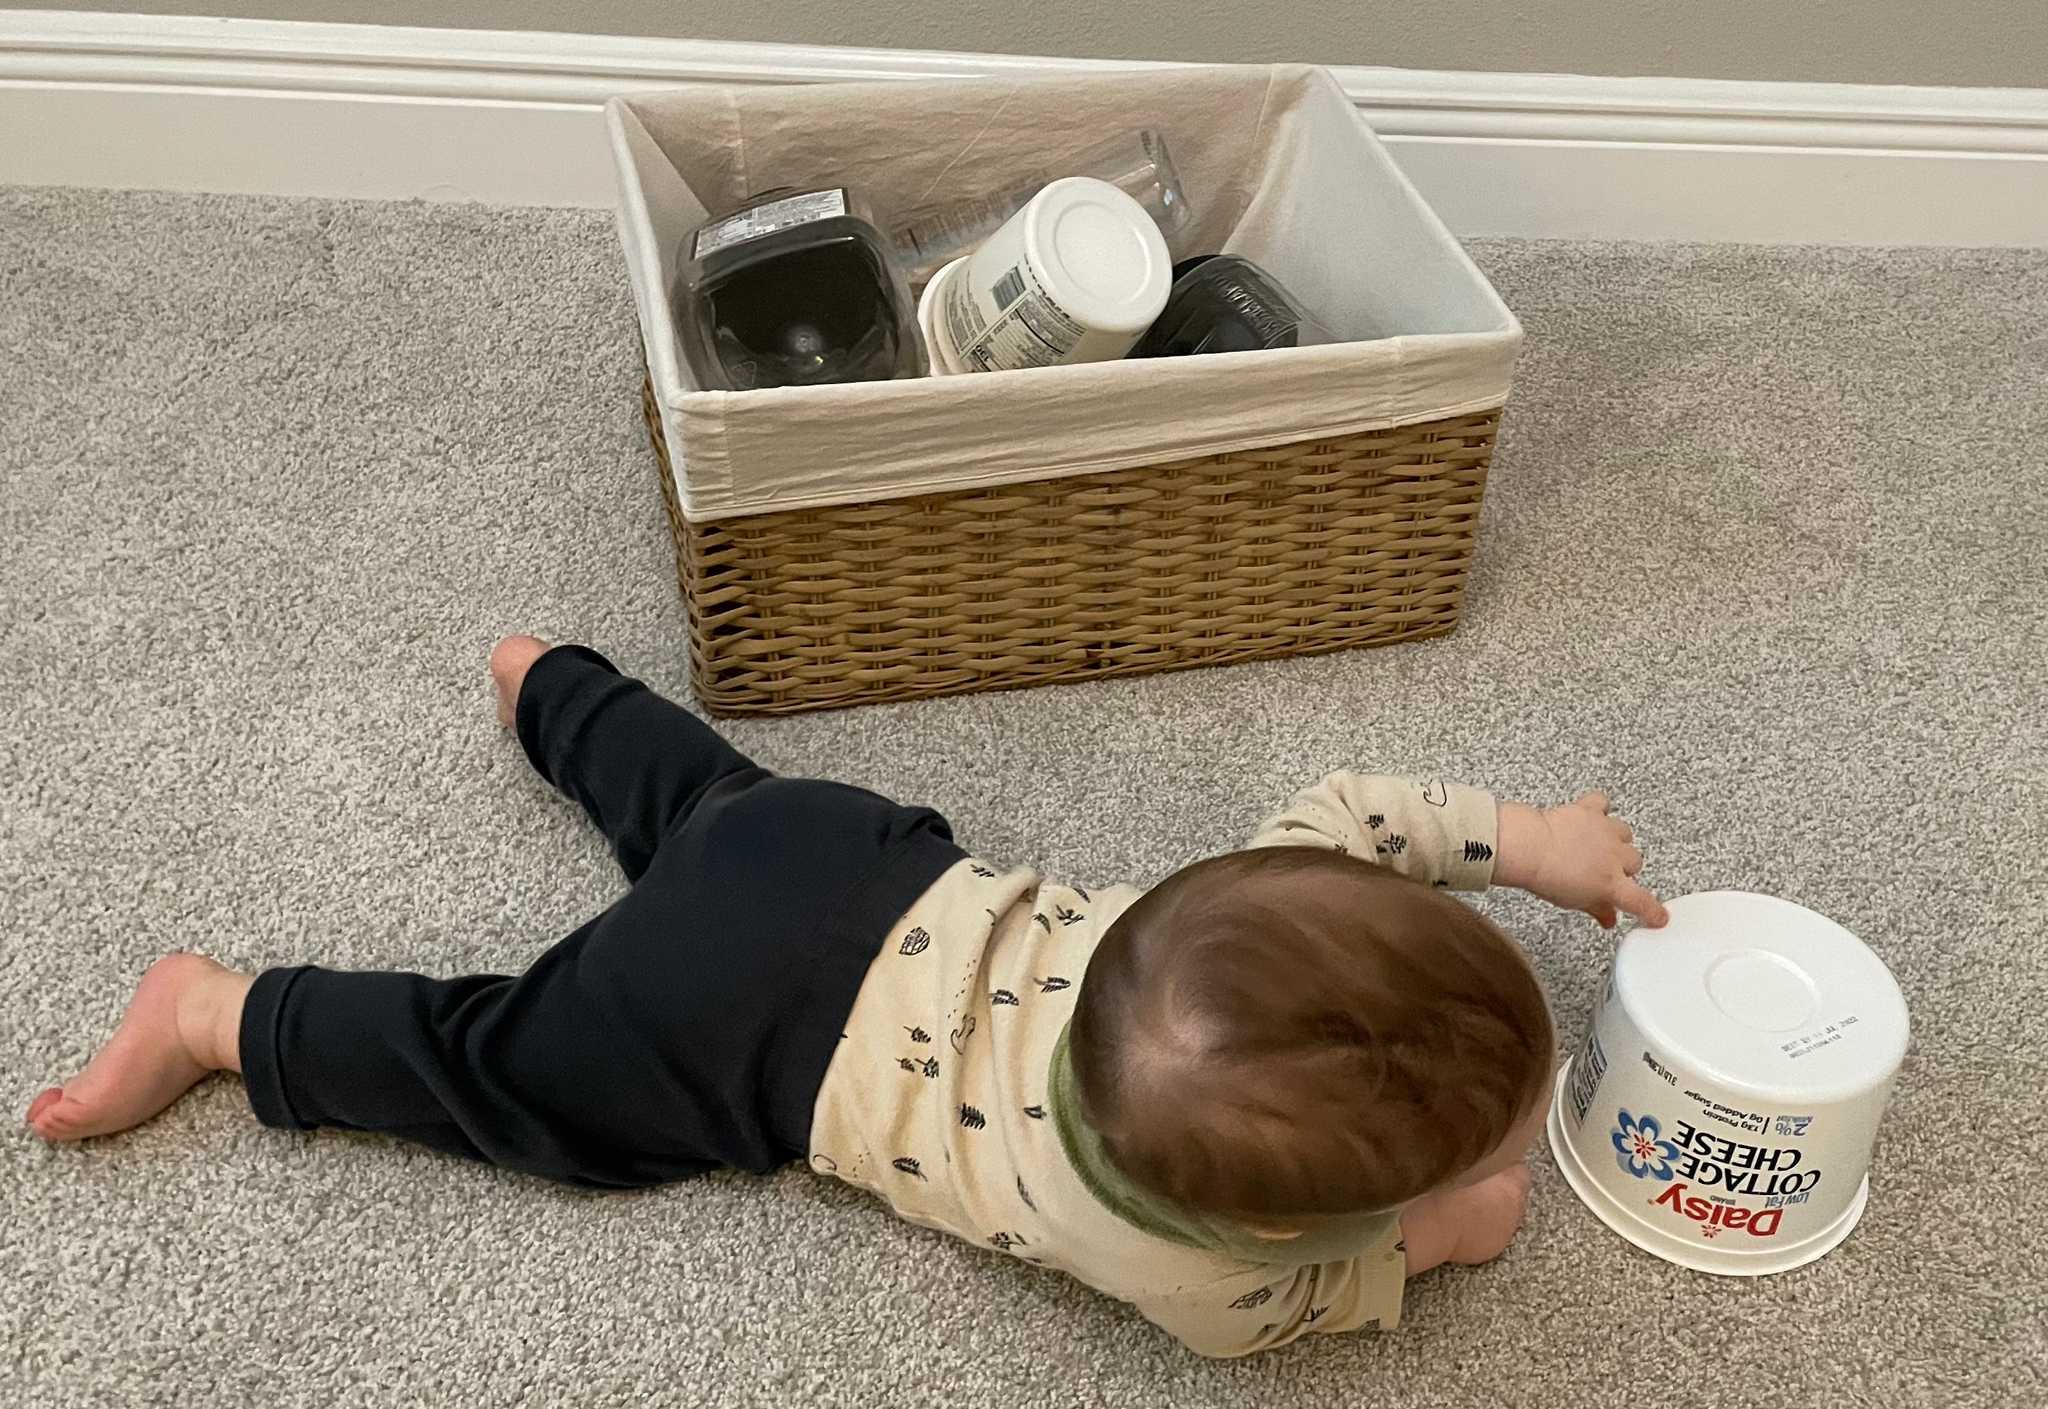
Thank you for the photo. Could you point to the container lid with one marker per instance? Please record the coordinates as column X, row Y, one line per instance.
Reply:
column 1759, row 995
column 1099, row 255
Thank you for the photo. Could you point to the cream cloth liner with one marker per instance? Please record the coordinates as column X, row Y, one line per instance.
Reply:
column 1278, row 166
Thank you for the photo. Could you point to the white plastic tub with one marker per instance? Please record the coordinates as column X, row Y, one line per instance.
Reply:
column 1722, row 1109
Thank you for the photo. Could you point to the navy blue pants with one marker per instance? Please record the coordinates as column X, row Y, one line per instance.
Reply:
column 686, row 1028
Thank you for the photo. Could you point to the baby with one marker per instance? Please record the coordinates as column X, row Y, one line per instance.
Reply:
column 1251, row 1101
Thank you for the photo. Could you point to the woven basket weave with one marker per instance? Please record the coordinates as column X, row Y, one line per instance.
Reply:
column 1315, row 546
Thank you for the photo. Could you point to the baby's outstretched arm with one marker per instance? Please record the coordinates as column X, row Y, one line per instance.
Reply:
column 1446, row 834
column 1442, row 834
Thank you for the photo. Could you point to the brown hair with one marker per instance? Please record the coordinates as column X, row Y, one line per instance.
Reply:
column 1293, row 1031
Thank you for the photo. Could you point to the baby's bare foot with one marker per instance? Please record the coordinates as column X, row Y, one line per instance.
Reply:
column 511, row 658
column 183, row 1022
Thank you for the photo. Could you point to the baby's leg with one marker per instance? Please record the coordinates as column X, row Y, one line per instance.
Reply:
column 561, row 1071
column 574, row 1070
column 182, row 1023
column 642, row 1048
column 635, row 761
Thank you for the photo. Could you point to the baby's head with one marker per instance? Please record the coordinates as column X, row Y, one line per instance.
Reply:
column 1284, row 1033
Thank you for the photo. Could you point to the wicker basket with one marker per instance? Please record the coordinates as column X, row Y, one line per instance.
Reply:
column 1314, row 546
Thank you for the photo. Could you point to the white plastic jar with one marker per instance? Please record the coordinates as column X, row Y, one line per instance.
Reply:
column 1077, row 275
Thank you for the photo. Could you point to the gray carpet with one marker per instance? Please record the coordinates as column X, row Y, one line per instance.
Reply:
column 1761, row 555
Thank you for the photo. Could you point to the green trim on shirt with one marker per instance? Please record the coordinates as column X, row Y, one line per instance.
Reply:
column 1091, row 1162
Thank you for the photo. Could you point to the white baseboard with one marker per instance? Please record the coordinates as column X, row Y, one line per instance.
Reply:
column 365, row 111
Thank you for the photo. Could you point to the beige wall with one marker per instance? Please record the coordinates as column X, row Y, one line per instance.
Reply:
column 1943, row 42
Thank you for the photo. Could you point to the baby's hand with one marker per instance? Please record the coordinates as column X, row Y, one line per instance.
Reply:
column 1489, row 1214
column 1578, row 858
column 1469, row 1223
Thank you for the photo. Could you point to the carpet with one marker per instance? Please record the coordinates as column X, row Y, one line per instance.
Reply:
column 1760, row 556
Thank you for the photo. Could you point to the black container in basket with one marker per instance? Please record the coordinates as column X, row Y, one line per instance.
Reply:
column 1226, row 303
column 794, row 288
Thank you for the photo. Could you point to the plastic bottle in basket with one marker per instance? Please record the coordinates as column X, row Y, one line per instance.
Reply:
column 1139, row 164
column 794, row 288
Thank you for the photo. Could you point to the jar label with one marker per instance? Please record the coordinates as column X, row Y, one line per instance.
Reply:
column 767, row 218
column 1027, row 329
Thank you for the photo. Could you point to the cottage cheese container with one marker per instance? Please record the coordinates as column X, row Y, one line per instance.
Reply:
column 1722, row 1109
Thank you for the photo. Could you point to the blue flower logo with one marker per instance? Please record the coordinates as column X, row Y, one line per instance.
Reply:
column 1639, row 1150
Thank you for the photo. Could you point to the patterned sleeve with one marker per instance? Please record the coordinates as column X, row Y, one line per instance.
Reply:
column 1440, row 833
column 1267, row 1306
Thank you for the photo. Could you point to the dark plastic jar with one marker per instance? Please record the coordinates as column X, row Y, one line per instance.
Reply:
column 794, row 288
column 1226, row 303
